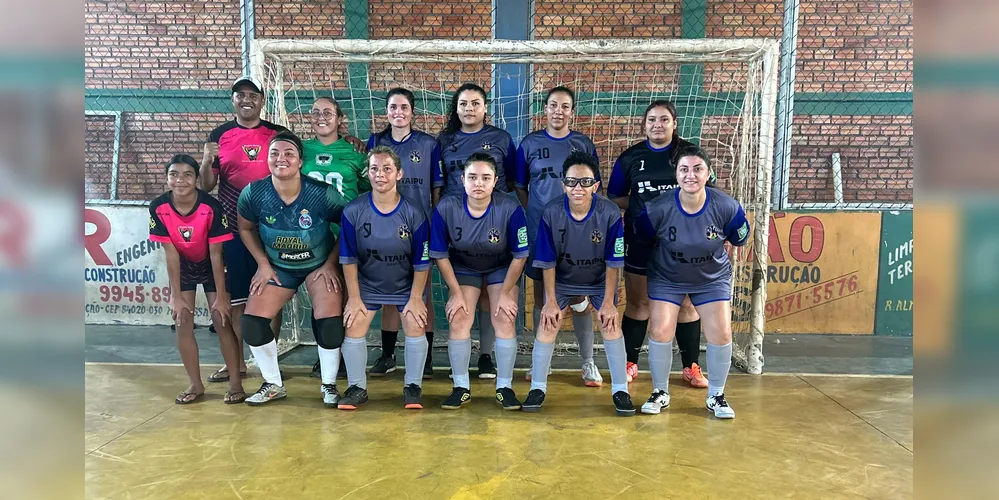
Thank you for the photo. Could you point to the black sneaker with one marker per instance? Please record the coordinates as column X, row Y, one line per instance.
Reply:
column 428, row 368
column 458, row 397
column 383, row 366
column 534, row 400
column 317, row 370
column 352, row 398
column 623, row 405
column 486, row 367
column 506, row 398
column 412, row 396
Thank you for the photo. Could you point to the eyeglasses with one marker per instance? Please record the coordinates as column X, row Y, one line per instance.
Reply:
column 322, row 113
column 573, row 182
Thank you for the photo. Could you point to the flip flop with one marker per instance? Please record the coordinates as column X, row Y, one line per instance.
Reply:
column 182, row 398
column 232, row 398
column 222, row 375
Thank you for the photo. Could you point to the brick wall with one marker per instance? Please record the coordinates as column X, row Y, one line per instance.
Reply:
column 161, row 45
column 844, row 46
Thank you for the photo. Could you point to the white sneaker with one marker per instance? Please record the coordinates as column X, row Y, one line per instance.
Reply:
column 331, row 395
column 268, row 392
column 591, row 376
column 657, row 401
column 718, row 405
column 527, row 376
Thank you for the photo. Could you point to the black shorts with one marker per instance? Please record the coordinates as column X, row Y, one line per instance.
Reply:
column 636, row 255
column 239, row 270
column 193, row 274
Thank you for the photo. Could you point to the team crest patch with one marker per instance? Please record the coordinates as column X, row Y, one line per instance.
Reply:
column 487, row 146
column 494, row 235
column 414, row 157
column 522, row 236
column 596, row 237
column 304, row 220
column 743, row 230
column 324, row 159
column 252, row 151
column 712, row 232
column 404, row 232
column 186, row 232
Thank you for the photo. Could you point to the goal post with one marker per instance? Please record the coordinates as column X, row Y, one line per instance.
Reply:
column 724, row 89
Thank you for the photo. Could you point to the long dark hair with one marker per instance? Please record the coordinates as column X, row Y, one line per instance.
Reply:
column 388, row 97
column 662, row 103
column 453, row 122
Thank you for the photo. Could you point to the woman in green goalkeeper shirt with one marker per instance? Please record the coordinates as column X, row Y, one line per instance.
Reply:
column 330, row 158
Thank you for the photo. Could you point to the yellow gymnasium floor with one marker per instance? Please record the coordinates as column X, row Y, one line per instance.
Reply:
column 799, row 437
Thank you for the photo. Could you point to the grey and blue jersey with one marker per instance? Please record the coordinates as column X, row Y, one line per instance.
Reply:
column 388, row 248
column 539, row 169
column 689, row 251
column 457, row 146
column 295, row 236
column 421, row 165
column 580, row 250
column 478, row 245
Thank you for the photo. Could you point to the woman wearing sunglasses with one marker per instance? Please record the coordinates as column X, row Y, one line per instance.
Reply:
column 580, row 249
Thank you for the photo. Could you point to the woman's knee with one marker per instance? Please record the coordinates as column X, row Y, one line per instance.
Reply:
column 461, row 326
column 720, row 335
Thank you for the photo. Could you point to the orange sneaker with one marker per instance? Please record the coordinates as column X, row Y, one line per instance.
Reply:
column 694, row 377
column 632, row 370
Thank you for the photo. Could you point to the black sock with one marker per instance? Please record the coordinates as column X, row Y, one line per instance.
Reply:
column 430, row 344
column 634, row 336
column 688, row 339
column 389, row 339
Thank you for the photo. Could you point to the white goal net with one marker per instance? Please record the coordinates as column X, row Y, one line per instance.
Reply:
column 724, row 91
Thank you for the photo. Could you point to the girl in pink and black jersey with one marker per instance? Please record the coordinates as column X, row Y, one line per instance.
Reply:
column 192, row 226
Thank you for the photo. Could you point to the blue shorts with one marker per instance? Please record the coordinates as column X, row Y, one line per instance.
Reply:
column 374, row 301
column 711, row 292
column 291, row 278
column 497, row 276
column 636, row 255
column 239, row 270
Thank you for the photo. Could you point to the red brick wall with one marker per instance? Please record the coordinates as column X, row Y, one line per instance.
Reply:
column 166, row 44
column 876, row 158
column 844, row 46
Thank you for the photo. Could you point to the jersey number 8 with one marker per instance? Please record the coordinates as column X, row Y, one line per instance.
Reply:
column 329, row 179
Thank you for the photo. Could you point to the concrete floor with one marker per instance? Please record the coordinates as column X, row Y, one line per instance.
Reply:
column 794, row 437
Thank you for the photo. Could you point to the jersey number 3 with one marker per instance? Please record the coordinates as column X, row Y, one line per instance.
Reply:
column 457, row 236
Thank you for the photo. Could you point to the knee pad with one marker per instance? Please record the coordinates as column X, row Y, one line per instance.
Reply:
column 329, row 332
column 256, row 330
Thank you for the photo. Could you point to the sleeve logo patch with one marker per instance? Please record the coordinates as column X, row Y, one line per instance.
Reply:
column 743, row 231
column 426, row 251
column 522, row 236
column 619, row 247
column 225, row 221
column 152, row 222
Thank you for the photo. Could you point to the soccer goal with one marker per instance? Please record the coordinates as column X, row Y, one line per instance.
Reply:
column 724, row 90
